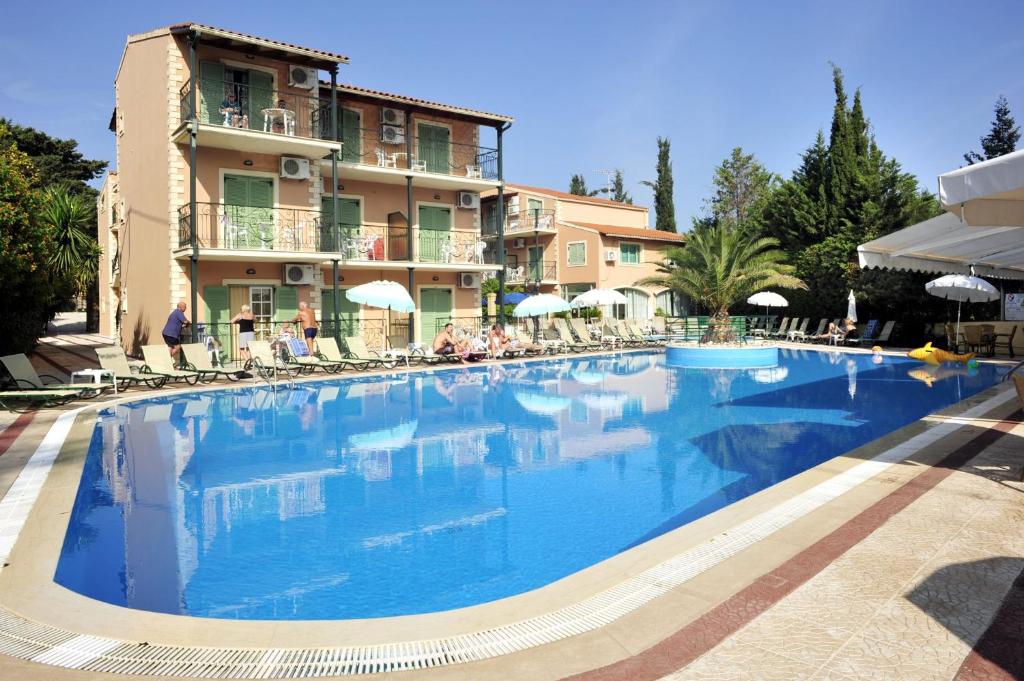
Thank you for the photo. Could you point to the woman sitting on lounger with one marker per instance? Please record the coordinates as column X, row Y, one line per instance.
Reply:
column 497, row 341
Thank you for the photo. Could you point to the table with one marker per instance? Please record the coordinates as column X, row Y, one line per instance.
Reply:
column 287, row 117
column 97, row 376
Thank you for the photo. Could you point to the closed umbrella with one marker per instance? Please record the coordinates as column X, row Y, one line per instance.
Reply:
column 768, row 299
column 851, row 307
column 962, row 288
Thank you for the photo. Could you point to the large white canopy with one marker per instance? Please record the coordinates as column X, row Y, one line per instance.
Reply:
column 945, row 245
column 990, row 193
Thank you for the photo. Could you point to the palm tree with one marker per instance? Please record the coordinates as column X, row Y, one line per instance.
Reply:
column 75, row 255
column 718, row 267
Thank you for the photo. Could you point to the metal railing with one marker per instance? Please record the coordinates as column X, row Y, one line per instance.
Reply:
column 544, row 270
column 374, row 147
column 518, row 223
column 236, row 105
column 309, row 231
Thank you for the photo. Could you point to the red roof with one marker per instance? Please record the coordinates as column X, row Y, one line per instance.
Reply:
column 331, row 57
column 389, row 96
column 573, row 197
column 633, row 232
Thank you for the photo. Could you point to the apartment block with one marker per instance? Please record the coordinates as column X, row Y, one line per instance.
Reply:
column 246, row 173
column 566, row 244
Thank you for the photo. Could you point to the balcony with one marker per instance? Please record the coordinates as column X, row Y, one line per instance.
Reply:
column 230, row 232
column 245, row 118
column 546, row 271
column 521, row 223
column 367, row 154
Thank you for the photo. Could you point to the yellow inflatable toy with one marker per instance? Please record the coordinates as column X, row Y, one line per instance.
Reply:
column 931, row 355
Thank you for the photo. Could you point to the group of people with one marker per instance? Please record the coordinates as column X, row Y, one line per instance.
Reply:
column 177, row 322
column 838, row 332
column 472, row 349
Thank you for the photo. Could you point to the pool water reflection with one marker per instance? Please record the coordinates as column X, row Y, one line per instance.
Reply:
column 421, row 492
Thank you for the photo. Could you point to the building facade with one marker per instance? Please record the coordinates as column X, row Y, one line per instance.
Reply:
column 566, row 244
column 244, row 176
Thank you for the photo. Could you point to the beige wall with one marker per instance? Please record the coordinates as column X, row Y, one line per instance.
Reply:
column 378, row 200
column 143, row 98
column 601, row 214
column 586, row 274
column 464, row 136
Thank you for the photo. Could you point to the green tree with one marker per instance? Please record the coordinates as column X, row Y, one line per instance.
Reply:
column 664, row 202
column 578, row 186
column 75, row 256
column 719, row 267
column 742, row 189
column 1001, row 139
column 25, row 249
column 60, row 164
column 795, row 211
column 618, row 190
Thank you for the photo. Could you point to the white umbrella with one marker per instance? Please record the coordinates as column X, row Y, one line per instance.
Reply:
column 769, row 375
column 384, row 294
column 398, row 437
column 851, row 307
column 962, row 288
column 597, row 297
column 588, row 377
column 768, row 299
column 605, row 402
column 544, row 303
column 540, row 403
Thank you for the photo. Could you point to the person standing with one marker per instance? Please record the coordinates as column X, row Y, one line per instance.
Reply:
column 176, row 321
column 307, row 320
column 246, row 330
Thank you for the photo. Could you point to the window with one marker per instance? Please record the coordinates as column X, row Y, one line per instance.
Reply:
column 577, row 253
column 534, row 204
column 570, row 291
column 629, row 254
column 261, row 300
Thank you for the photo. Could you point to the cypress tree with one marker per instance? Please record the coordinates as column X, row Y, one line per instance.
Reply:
column 1003, row 137
column 578, row 186
column 664, row 204
column 618, row 192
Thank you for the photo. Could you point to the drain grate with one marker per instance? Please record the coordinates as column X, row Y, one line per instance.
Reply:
column 50, row 645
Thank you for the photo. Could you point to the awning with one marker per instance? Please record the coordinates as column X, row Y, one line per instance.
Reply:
column 989, row 193
column 944, row 245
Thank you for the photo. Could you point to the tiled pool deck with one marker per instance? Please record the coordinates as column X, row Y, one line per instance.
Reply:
column 908, row 565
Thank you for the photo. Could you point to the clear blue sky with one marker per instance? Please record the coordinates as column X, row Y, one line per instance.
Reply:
column 591, row 84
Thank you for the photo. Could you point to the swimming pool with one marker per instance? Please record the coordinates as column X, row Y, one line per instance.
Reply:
column 428, row 491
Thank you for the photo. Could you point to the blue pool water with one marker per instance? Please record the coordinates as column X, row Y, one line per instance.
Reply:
column 389, row 496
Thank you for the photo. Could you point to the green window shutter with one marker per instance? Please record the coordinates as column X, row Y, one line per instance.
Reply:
column 351, row 136
column 435, row 222
column 433, row 147
column 629, row 253
column 211, row 92
column 327, row 224
column 286, row 303
column 261, row 192
column 577, row 254
column 261, row 96
column 534, row 204
column 348, row 312
column 215, row 299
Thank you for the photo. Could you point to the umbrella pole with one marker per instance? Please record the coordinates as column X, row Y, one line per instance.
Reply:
column 956, row 338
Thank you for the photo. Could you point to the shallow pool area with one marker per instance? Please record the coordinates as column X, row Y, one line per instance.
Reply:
column 427, row 491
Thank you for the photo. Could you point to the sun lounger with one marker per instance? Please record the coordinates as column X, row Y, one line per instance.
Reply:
column 266, row 363
column 197, row 359
column 647, row 338
column 112, row 358
column 357, row 350
column 159, row 363
column 800, row 332
column 565, row 333
column 867, row 337
column 298, row 356
column 781, row 331
column 33, row 398
column 624, row 332
column 26, row 378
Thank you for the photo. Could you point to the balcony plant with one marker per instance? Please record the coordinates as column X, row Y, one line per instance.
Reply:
column 721, row 266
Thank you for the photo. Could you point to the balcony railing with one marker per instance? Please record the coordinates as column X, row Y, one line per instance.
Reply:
column 543, row 270
column 247, row 228
column 372, row 147
column 250, row 108
column 518, row 223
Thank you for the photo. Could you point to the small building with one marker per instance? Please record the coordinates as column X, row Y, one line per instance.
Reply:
column 567, row 244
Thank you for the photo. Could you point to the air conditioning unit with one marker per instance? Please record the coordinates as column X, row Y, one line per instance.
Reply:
column 470, row 279
column 392, row 134
column 298, row 274
column 611, row 256
column 294, row 168
column 301, row 77
column 469, row 200
column 392, row 117
column 519, row 243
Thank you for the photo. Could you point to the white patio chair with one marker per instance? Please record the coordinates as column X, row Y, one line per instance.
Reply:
column 385, row 160
column 474, row 172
